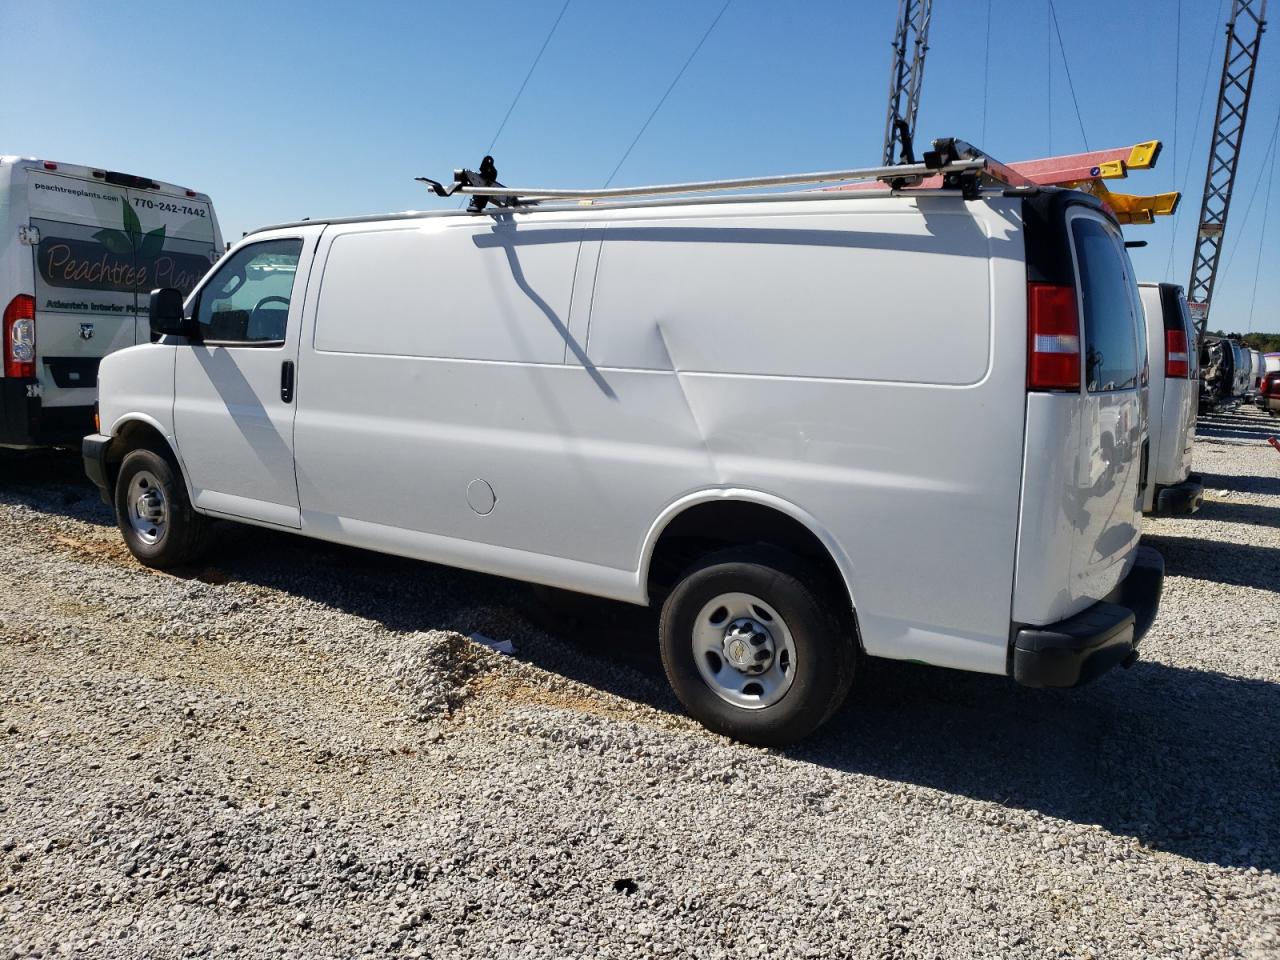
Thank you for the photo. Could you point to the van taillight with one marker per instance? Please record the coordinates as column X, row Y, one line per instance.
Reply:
column 1175, row 354
column 20, row 337
column 1053, row 337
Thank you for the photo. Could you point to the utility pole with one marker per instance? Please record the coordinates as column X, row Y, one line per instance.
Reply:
column 910, row 42
column 1244, row 34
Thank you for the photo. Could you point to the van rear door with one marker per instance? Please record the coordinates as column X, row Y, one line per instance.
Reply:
column 1114, row 430
column 103, row 246
column 1085, row 412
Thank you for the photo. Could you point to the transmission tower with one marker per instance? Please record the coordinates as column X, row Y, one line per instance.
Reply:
column 910, row 42
column 1244, row 33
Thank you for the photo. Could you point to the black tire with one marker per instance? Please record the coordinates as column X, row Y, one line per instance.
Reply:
column 825, row 648
column 183, row 536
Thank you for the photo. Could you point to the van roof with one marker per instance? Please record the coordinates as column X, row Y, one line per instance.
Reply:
column 953, row 168
column 714, row 200
column 101, row 173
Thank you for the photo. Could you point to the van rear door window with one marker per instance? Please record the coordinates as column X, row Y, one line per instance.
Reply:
column 1110, row 320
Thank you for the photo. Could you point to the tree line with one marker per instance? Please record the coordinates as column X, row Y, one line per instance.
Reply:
column 1264, row 342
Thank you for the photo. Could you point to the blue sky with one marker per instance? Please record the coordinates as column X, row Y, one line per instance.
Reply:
column 281, row 110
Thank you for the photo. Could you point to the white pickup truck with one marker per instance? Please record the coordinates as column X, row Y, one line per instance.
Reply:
column 702, row 404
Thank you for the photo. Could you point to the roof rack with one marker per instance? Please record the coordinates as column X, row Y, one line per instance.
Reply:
column 961, row 165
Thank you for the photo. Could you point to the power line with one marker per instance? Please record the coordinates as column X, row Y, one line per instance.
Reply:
column 1048, row 78
column 1262, row 237
column 1266, row 157
column 1177, row 86
column 525, row 82
column 1053, row 14
column 663, row 99
column 1191, row 147
column 986, row 77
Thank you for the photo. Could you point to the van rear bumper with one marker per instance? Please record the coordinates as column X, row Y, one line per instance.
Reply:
column 1081, row 647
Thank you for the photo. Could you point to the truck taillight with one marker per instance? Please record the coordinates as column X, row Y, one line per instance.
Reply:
column 1175, row 354
column 20, row 337
column 1053, row 337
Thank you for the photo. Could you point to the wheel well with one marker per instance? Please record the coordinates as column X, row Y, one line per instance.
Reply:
column 134, row 435
column 707, row 527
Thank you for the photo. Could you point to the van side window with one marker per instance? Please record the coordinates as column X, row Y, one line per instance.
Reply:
column 247, row 299
column 1110, row 322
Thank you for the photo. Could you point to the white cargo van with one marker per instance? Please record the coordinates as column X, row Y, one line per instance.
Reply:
column 80, row 249
column 1169, row 486
column 697, row 403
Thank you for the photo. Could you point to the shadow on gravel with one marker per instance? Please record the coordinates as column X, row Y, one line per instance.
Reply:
column 604, row 644
column 1229, row 511
column 1237, row 427
column 1186, row 761
column 1216, row 561
column 1268, row 486
column 52, row 481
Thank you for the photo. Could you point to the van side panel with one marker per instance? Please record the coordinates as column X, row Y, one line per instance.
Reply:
column 810, row 380
column 432, row 397
column 420, row 430
column 845, row 297
column 449, row 291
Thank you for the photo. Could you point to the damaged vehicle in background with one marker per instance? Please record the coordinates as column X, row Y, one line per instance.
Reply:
column 1225, row 368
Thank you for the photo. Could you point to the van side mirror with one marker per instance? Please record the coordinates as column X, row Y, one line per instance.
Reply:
column 167, row 317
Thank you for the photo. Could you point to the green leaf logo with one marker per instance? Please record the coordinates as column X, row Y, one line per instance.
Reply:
column 116, row 241
column 131, row 241
column 152, row 243
column 131, row 224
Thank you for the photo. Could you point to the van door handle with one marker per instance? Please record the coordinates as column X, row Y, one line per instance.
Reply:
column 286, row 381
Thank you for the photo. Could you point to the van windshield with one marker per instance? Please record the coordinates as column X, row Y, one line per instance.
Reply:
column 1110, row 323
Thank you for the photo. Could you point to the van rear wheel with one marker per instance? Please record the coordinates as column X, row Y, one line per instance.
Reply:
column 154, row 513
column 753, row 647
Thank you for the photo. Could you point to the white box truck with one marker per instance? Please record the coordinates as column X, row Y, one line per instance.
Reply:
column 80, row 249
column 700, row 404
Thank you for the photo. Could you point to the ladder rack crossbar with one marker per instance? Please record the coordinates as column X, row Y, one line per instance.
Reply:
column 903, row 172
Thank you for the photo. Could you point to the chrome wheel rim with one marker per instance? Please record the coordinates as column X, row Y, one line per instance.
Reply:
column 148, row 507
column 743, row 650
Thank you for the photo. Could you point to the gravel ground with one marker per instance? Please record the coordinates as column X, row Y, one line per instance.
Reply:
column 295, row 751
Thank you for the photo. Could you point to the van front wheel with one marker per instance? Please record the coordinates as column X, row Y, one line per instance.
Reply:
column 752, row 646
column 154, row 513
